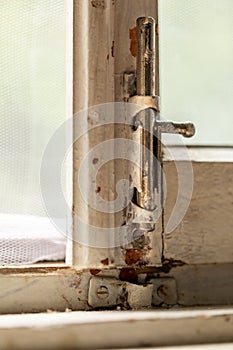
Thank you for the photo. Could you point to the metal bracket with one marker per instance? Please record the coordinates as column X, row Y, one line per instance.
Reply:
column 109, row 292
column 164, row 291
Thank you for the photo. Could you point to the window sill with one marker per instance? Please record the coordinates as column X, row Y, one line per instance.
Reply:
column 198, row 154
column 116, row 329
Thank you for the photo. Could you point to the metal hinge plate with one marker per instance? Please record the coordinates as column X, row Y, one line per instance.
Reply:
column 110, row 292
column 107, row 292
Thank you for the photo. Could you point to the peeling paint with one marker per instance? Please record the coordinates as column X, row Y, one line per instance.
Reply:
column 95, row 160
column 100, row 4
column 104, row 261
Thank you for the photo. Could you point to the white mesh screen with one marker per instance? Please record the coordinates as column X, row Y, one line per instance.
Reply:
column 28, row 239
column 196, row 70
column 32, row 106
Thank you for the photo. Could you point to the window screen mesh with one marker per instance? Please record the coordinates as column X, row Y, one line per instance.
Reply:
column 196, row 70
column 32, row 106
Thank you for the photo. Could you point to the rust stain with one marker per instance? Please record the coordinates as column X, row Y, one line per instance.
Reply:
column 133, row 256
column 129, row 275
column 104, row 261
column 157, row 29
column 133, row 41
column 73, row 211
column 99, row 4
column 94, row 271
column 98, row 189
column 112, row 48
column 95, row 160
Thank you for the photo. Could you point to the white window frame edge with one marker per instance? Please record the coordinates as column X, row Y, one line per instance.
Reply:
column 69, row 111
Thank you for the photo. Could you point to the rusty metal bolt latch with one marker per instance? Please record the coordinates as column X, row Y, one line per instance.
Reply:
column 147, row 120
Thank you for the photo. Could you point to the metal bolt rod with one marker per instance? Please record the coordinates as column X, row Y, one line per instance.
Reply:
column 146, row 87
column 147, row 120
column 146, row 56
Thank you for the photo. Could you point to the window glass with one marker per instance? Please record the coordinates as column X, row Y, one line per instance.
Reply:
column 32, row 106
column 196, row 65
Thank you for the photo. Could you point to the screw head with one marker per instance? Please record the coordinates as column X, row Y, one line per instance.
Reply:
column 102, row 292
column 162, row 291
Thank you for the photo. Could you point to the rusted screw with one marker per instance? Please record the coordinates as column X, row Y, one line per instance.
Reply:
column 162, row 291
column 102, row 292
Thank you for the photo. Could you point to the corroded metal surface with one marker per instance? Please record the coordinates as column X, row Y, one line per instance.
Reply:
column 185, row 129
column 146, row 198
column 146, row 56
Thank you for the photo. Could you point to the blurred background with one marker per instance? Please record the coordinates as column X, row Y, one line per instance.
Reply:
column 32, row 96
column 196, row 67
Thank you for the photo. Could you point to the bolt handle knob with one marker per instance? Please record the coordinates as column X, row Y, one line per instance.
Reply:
column 186, row 129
